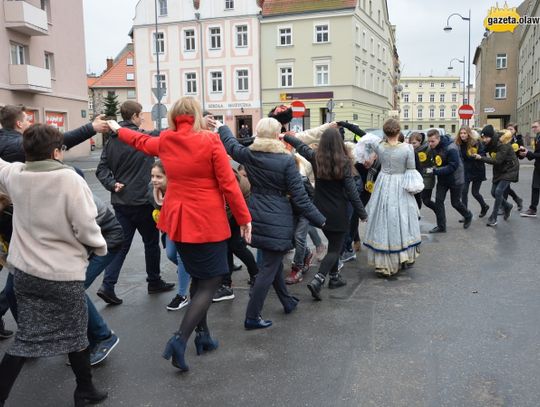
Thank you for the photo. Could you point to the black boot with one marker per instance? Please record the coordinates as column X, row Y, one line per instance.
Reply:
column 9, row 370
column 336, row 281
column 85, row 391
column 316, row 285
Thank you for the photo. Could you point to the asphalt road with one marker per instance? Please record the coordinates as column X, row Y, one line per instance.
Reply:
column 461, row 328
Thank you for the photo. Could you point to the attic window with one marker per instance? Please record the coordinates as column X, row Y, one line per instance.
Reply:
column 130, row 77
column 129, row 61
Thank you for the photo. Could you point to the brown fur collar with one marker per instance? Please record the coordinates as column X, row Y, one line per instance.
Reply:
column 266, row 145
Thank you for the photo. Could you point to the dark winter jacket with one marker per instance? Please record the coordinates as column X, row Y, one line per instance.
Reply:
column 358, row 132
column 110, row 227
column 536, row 157
column 504, row 160
column 517, row 142
column 276, row 186
column 332, row 196
column 448, row 164
column 11, row 142
column 423, row 157
column 475, row 170
column 122, row 163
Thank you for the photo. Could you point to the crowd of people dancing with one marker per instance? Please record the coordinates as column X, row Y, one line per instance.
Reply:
column 206, row 196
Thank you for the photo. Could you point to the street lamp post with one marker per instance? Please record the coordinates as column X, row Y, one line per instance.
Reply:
column 450, row 67
column 448, row 28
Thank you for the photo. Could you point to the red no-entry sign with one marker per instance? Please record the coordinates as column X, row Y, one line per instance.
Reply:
column 298, row 108
column 466, row 112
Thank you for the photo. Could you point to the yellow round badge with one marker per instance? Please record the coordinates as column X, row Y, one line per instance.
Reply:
column 370, row 186
column 422, row 156
column 515, row 146
column 472, row 151
column 155, row 215
column 438, row 160
column 493, row 155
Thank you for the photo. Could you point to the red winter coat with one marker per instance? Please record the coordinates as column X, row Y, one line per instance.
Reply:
column 199, row 179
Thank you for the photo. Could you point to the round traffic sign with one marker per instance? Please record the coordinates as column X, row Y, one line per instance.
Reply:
column 298, row 108
column 466, row 112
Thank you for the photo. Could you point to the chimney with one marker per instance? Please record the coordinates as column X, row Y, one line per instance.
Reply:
column 109, row 64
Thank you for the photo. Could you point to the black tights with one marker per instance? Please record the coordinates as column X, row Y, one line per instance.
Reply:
column 330, row 262
column 201, row 292
column 11, row 367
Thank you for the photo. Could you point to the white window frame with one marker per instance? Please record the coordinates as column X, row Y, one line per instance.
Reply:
column 441, row 112
column 420, row 98
column 500, row 91
column 432, row 97
column 213, row 37
column 130, row 76
column 19, row 51
column 318, row 29
column 162, row 6
column 501, row 61
column 420, row 113
column 321, row 73
column 191, row 40
column 160, row 43
column 131, row 95
column 158, row 81
column 442, row 84
column 229, row 4
column 453, row 112
column 216, row 83
column 454, row 85
column 442, row 98
column 241, row 83
column 241, row 38
column 129, row 61
column 49, row 62
column 454, row 97
column 190, row 83
column 289, row 76
column 406, row 98
column 431, row 112
column 432, row 84
column 286, row 36
column 406, row 113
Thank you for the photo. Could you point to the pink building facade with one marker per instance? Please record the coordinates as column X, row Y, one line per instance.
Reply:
column 207, row 49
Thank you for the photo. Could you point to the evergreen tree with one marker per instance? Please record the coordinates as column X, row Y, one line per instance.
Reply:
column 111, row 105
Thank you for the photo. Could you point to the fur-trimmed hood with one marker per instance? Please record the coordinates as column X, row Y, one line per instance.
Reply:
column 265, row 145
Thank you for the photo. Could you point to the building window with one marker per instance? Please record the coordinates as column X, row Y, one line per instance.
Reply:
column 215, row 38
column 161, row 83
column 441, row 112
column 420, row 98
column 431, row 113
column 441, row 98
column 321, row 75
column 500, row 91
column 241, row 36
column 384, row 55
column 242, row 80
column 406, row 97
column 159, row 43
column 419, row 115
column 372, row 46
column 432, row 97
column 130, row 76
column 321, row 33
column 379, row 17
column 442, row 84
column 18, row 54
column 162, row 7
column 379, row 51
column 364, row 40
column 111, row 93
column 454, row 85
column 420, row 84
column 285, row 36
column 454, row 97
column 406, row 85
column 217, row 81
column 357, row 35
column 453, row 113
column 229, row 4
column 191, row 83
column 405, row 113
column 189, row 40
column 129, row 61
column 286, row 76
column 432, row 85
column 501, row 61
column 131, row 94
column 49, row 62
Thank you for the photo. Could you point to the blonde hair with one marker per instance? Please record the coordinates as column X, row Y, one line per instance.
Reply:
column 189, row 106
column 506, row 136
column 268, row 128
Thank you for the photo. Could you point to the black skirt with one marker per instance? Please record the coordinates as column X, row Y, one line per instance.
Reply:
column 204, row 260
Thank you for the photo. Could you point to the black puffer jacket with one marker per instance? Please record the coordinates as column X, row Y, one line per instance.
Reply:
column 504, row 160
column 423, row 158
column 122, row 163
column 274, row 177
column 475, row 170
column 448, row 164
column 536, row 157
column 11, row 142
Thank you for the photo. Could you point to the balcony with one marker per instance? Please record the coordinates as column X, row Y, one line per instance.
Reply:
column 29, row 78
column 25, row 18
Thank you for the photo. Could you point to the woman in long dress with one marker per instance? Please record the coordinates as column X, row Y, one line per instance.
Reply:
column 393, row 231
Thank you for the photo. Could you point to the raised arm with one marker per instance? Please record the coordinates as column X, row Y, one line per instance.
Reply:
column 353, row 128
column 303, row 149
column 313, row 135
column 149, row 145
column 237, row 151
column 83, row 133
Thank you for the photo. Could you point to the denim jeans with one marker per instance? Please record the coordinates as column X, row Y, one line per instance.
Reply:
column 300, row 241
column 183, row 276
column 97, row 327
column 497, row 191
column 96, row 265
column 314, row 236
column 135, row 218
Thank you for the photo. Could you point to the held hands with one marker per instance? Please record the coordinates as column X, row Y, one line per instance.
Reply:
column 334, row 124
column 113, row 125
column 245, row 232
column 477, row 156
column 100, row 125
column 429, row 170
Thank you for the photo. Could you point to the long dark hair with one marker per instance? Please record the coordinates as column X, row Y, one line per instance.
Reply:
column 331, row 156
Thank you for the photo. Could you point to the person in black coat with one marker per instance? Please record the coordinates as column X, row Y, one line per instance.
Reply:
column 516, row 143
column 533, row 155
column 276, row 191
column 334, row 189
column 501, row 155
column 423, row 159
column 475, row 170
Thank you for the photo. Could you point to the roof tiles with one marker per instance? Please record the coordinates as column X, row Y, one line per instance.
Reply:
column 277, row 7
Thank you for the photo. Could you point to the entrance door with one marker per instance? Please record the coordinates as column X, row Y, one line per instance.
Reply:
column 244, row 120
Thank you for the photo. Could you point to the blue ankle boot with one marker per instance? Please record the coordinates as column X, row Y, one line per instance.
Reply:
column 204, row 342
column 175, row 348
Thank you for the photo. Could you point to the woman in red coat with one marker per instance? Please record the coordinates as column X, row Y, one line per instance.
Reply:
column 200, row 180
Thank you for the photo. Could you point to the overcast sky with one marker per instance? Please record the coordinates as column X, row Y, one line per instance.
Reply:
column 423, row 47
